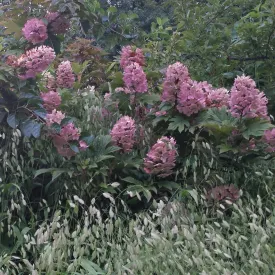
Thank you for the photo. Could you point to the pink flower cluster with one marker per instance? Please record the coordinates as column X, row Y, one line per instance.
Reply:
column 123, row 133
column 161, row 159
column 129, row 56
column 217, row 98
column 64, row 75
column 246, row 100
column 54, row 117
column 35, row 61
column 191, row 98
column 35, row 31
column 57, row 23
column 69, row 132
column 49, row 81
column 176, row 74
column 135, row 78
column 224, row 192
column 51, row 100
column 269, row 139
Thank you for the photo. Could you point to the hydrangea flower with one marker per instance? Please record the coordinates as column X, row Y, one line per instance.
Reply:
column 176, row 74
column 49, row 81
column 64, row 75
column 246, row 100
column 191, row 98
column 135, row 78
column 62, row 146
column 51, row 100
column 269, row 139
column 57, row 23
column 54, row 117
column 123, row 133
column 217, row 98
column 129, row 56
column 35, row 31
column 224, row 192
column 35, row 61
column 82, row 145
column 161, row 159
column 69, row 132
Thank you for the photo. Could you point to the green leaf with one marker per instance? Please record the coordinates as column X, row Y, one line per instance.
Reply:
column 12, row 121
column 27, row 127
column 74, row 148
column 36, row 130
column 2, row 115
column 112, row 9
column 91, row 267
column 256, row 128
column 43, row 171
column 149, row 98
column 194, row 195
column 40, row 113
column 132, row 180
column 178, row 123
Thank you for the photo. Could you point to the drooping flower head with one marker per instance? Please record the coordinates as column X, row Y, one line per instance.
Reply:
column 191, row 98
column 130, row 55
column 135, row 78
column 35, row 61
column 51, row 100
column 54, row 117
column 123, row 133
column 35, row 31
column 269, row 139
column 224, row 192
column 176, row 74
column 64, row 75
column 161, row 159
column 246, row 100
column 217, row 98
column 57, row 23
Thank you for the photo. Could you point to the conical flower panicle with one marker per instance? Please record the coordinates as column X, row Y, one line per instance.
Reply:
column 161, row 159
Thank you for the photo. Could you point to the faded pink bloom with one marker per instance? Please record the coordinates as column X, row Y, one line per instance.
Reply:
column 224, row 192
column 63, row 147
column 82, row 145
column 217, row 98
column 161, row 113
column 57, row 23
column 161, row 158
column 51, row 100
column 246, row 100
column 69, row 132
column 54, row 117
column 49, row 81
column 176, row 74
column 64, row 75
column 35, row 61
column 191, row 98
column 35, row 31
column 12, row 61
column 135, row 78
column 129, row 56
column 269, row 139
column 123, row 133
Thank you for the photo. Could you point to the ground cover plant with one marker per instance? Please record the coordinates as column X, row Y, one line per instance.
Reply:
column 157, row 144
